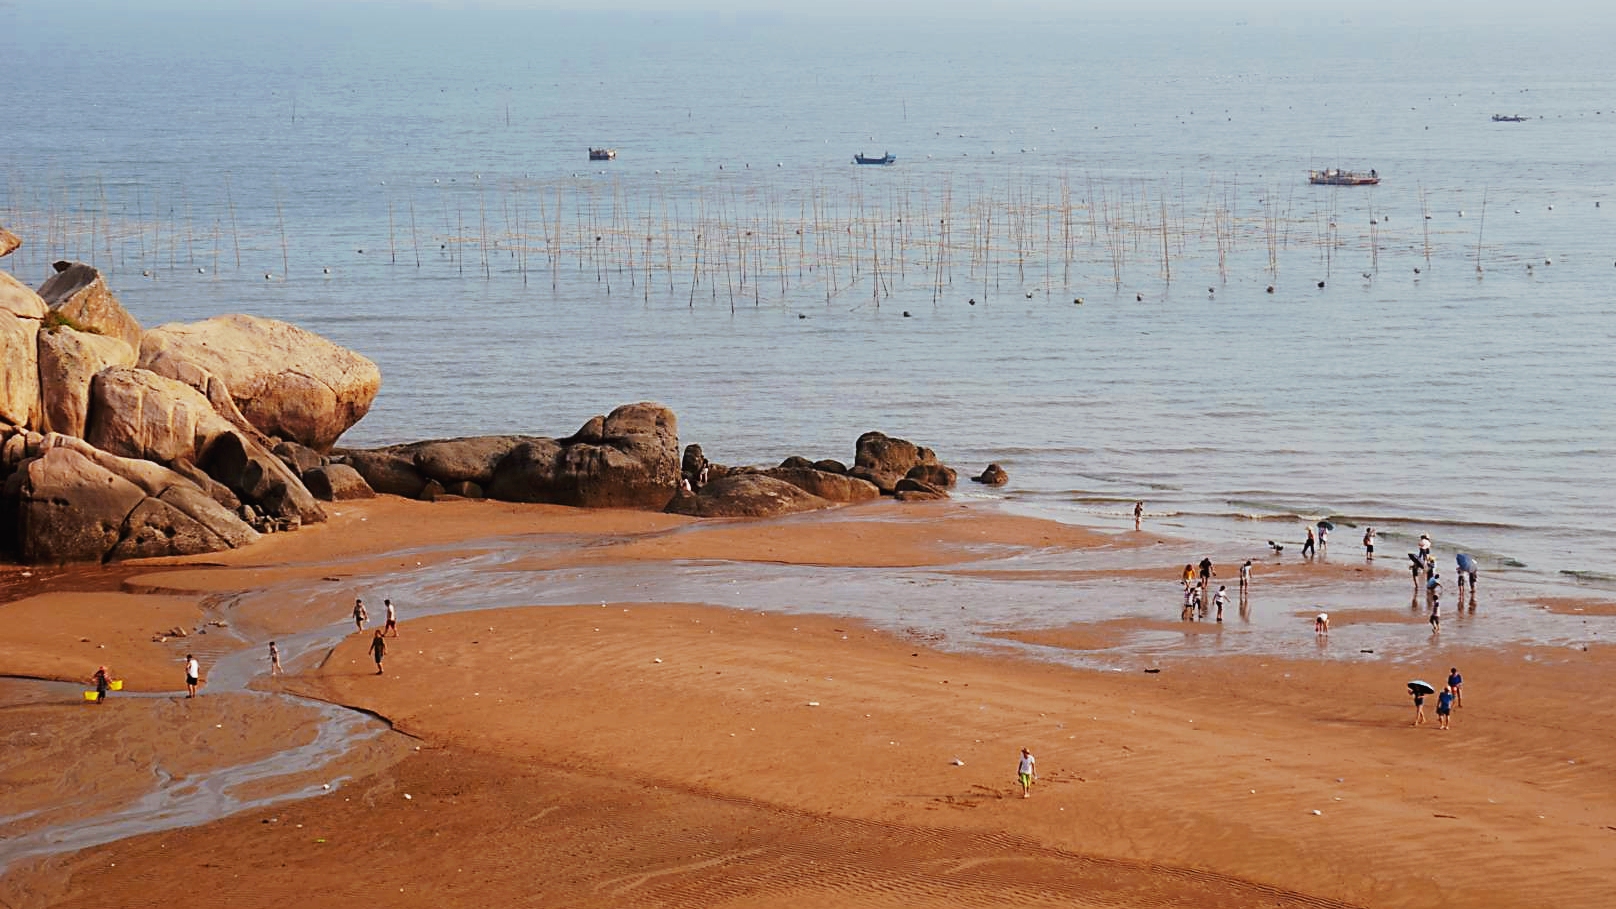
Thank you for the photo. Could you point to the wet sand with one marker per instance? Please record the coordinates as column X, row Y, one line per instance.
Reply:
column 687, row 755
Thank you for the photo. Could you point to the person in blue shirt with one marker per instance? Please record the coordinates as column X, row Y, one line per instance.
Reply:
column 1444, row 707
column 1456, row 685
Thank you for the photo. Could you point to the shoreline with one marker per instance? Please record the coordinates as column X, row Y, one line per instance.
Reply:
column 576, row 707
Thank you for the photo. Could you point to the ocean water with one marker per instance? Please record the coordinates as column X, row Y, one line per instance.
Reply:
column 412, row 182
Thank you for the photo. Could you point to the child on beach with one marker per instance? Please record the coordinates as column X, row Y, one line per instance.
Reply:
column 1189, row 575
column 1321, row 624
column 378, row 649
column 1456, row 685
column 1190, row 592
column 274, row 659
column 359, row 614
column 1221, row 597
column 1444, row 707
column 103, row 684
column 1025, row 773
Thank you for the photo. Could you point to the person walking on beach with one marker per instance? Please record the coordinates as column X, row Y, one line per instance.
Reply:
column 193, row 675
column 1221, row 598
column 1433, row 597
column 1419, row 708
column 1456, row 685
column 378, row 649
column 1207, row 573
column 1025, row 773
column 1369, row 544
column 1444, row 707
column 103, row 684
column 359, row 614
column 392, row 619
column 1138, row 514
column 274, row 659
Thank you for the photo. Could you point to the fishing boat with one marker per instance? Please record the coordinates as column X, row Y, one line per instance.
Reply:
column 1335, row 177
column 1508, row 118
column 602, row 154
column 887, row 158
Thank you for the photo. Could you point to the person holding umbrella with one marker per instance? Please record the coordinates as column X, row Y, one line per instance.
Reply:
column 1419, row 689
column 1467, row 571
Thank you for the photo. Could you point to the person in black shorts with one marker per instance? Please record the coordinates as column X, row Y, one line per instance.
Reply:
column 1419, row 708
column 378, row 649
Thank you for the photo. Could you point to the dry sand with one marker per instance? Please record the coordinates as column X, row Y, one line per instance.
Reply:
column 679, row 755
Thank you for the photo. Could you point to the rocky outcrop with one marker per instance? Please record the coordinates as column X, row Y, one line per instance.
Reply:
column 937, row 475
column 78, row 292
column 405, row 470
column 75, row 503
column 19, row 299
column 992, row 475
column 68, row 360
column 908, row 490
column 884, row 460
column 628, row 459
column 135, row 413
column 9, row 242
column 746, row 495
column 19, row 369
column 336, row 483
column 834, row 487
column 385, row 471
column 287, row 382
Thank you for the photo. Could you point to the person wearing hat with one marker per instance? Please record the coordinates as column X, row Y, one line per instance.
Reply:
column 1025, row 773
column 103, row 683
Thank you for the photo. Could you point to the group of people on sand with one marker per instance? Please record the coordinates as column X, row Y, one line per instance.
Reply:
column 1449, row 699
column 1198, row 583
column 378, row 641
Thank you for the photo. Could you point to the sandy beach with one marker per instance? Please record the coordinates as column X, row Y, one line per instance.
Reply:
column 676, row 753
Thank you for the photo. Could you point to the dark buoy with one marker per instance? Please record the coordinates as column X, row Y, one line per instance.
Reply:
column 1321, row 283
column 973, row 301
column 906, row 314
column 801, row 316
column 1077, row 301
column 1416, row 270
column 1270, row 288
column 1139, row 298
column 360, row 251
column 327, row 271
column 1029, row 295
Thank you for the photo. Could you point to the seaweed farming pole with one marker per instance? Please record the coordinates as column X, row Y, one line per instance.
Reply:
column 1480, row 227
column 235, row 235
column 415, row 240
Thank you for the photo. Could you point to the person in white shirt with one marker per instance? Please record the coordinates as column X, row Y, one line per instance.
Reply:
column 1369, row 543
column 193, row 675
column 1219, row 598
column 1025, row 773
column 1245, row 577
column 391, row 628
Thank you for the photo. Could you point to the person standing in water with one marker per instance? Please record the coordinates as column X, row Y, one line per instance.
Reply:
column 359, row 614
column 274, row 659
column 1307, row 545
column 193, row 675
column 1220, row 598
column 1369, row 544
column 1138, row 514
column 1025, row 773
column 1245, row 578
column 1324, row 534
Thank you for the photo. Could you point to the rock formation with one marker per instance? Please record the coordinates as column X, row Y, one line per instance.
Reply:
column 287, row 382
column 78, row 293
column 884, row 460
column 992, row 475
column 68, row 360
column 8, row 242
column 746, row 495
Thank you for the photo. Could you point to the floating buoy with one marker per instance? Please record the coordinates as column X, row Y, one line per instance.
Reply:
column 1139, row 298
column 1270, row 288
column 906, row 314
column 1321, row 283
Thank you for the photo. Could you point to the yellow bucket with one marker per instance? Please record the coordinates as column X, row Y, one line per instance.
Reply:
column 92, row 696
column 117, row 685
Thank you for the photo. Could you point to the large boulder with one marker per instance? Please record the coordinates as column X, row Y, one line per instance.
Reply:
column 938, row 475
column 78, row 292
column 8, row 242
column 259, row 478
column 627, row 459
column 19, row 299
column 337, row 483
column 75, row 503
column 288, row 383
column 19, row 369
column 135, row 413
column 834, row 487
column 386, row 471
column 911, row 490
column 992, row 475
column 68, row 360
column 884, row 460
column 747, row 495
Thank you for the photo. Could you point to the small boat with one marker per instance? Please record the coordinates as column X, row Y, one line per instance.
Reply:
column 602, row 154
column 1508, row 118
column 887, row 158
column 1335, row 177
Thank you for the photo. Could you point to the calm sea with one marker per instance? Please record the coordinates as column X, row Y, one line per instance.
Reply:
column 413, row 183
